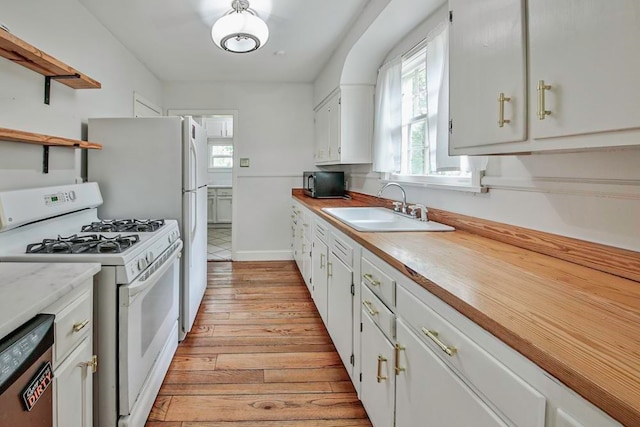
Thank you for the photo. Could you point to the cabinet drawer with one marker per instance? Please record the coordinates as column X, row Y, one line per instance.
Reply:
column 72, row 324
column 379, row 313
column 517, row 400
column 224, row 191
column 383, row 285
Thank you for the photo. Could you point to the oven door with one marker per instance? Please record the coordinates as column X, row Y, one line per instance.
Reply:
column 147, row 314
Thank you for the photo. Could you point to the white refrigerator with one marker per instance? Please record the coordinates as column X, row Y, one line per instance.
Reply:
column 156, row 167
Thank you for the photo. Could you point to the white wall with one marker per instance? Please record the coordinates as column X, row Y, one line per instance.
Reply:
column 275, row 131
column 594, row 196
column 67, row 31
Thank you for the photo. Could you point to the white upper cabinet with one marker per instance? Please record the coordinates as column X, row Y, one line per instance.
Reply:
column 219, row 126
column 488, row 73
column 583, row 87
column 586, row 53
column 344, row 126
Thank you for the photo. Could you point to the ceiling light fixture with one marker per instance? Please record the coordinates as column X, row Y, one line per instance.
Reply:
column 240, row 30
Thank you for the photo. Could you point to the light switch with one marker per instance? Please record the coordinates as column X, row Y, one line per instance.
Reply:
column 244, row 163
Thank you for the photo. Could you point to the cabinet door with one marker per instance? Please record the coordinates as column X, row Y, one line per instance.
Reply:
column 334, row 128
column 73, row 389
column 306, row 262
column 340, row 309
column 429, row 393
column 319, row 276
column 378, row 376
column 487, row 58
column 223, row 209
column 586, row 51
column 322, row 134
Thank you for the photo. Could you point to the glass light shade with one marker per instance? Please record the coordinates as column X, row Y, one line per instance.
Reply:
column 240, row 32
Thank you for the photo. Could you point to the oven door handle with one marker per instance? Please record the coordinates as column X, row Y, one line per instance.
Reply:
column 161, row 267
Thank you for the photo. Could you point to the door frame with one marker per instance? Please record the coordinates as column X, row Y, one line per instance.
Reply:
column 236, row 159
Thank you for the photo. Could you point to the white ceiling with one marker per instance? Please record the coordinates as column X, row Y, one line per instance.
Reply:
column 173, row 37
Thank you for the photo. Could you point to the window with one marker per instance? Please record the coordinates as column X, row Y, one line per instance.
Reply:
column 220, row 156
column 412, row 146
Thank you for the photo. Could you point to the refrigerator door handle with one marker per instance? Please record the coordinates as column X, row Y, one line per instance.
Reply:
column 194, row 166
column 194, row 211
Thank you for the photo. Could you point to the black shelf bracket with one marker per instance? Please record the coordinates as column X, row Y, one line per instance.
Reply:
column 45, row 159
column 47, row 85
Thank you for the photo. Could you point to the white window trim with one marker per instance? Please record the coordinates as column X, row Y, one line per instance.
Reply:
column 469, row 184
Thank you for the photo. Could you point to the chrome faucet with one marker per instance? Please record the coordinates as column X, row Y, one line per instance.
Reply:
column 404, row 195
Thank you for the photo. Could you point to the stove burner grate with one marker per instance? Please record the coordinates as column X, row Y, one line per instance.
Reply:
column 124, row 225
column 87, row 244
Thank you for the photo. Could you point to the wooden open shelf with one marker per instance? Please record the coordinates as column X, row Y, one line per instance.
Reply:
column 21, row 52
column 47, row 140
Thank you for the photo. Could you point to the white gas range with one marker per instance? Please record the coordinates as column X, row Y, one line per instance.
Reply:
column 136, row 301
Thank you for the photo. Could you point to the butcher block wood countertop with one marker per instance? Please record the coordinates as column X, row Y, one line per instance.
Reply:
column 580, row 324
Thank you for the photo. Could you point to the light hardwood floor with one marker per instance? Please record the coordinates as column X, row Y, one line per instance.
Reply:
column 258, row 356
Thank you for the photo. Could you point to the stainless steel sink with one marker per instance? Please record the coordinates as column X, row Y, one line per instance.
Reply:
column 382, row 219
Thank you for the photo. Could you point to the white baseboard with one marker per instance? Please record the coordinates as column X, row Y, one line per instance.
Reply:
column 284, row 255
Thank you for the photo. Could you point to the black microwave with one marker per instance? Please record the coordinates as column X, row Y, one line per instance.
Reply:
column 321, row 184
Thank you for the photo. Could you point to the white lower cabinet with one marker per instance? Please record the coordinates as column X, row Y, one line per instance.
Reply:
column 223, row 209
column 319, row 277
column 429, row 393
column 73, row 360
column 378, row 376
column 414, row 360
column 211, row 205
column 340, row 309
column 73, row 387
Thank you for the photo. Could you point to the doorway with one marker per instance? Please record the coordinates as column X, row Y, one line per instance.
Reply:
column 221, row 129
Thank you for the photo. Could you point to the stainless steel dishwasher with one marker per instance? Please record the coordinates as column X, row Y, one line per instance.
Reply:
column 26, row 374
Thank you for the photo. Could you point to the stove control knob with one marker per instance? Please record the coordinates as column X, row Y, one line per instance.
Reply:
column 142, row 264
column 149, row 257
column 170, row 239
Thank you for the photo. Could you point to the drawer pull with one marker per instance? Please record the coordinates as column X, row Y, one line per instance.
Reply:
column 434, row 337
column 398, row 349
column 321, row 260
column 369, row 278
column 380, row 377
column 305, row 224
column 372, row 311
column 77, row 327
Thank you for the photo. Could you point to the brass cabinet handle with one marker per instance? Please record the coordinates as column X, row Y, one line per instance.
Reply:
column 77, row 327
column 501, row 100
column 398, row 349
column 369, row 278
column 542, row 111
column 380, row 377
column 321, row 260
column 93, row 364
column 329, row 270
column 370, row 309
column 434, row 337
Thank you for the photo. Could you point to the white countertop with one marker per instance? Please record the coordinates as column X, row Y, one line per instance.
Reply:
column 27, row 288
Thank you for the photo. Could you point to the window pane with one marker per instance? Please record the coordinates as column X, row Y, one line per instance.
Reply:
column 222, row 162
column 222, row 150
